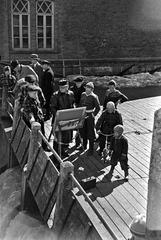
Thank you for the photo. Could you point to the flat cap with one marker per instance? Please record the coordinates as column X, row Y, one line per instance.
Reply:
column 63, row 82
column 14, row 64
column 32, row 88
column 34, row 56
column 30, row 78
column 90, row 85
column 45, row 62
column 78, row 79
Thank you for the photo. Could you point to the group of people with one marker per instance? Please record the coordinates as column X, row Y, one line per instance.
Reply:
column 38, row 100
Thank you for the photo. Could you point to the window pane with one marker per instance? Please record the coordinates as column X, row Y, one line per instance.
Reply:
column 15, row 20
column 24, row 20
column 16, row 32
column 40, row 20
column 40, row 42
column 48, row 43
column 48, row 20
column 48, row 32
column 16, row 43
column 25, row 31
column 25, row 42
column 40, row 32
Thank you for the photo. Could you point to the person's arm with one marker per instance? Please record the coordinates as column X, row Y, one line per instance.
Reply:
column 54, row 105
column 97, row 105
column 122, row 98
column 124, row 149
column 99, row 122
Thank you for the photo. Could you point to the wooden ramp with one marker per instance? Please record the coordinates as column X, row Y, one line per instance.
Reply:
column 119, row 201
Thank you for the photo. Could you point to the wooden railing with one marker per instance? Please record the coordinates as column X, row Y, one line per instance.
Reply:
column 62, row 202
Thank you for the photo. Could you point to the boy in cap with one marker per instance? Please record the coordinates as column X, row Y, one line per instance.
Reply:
column 92, row 104
column 36, row 66
column 105, row 124
column 22, row 70
column 62, row 99
column 47, row 86
column 114, row 95
column 119, row 150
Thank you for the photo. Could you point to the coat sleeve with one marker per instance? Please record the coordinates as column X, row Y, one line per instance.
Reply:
column 97, row 106
column 124, row 148
column 100, row 121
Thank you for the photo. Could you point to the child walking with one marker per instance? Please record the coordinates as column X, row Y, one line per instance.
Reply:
column 119, row 150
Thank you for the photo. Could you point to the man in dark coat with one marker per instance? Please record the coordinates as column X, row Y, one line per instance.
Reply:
column 47, row 87
column 62, row 99
column 37, row 67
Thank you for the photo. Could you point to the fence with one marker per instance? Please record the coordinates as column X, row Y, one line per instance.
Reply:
column 62, row 202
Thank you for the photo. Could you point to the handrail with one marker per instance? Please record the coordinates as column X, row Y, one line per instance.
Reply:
column 80, row 189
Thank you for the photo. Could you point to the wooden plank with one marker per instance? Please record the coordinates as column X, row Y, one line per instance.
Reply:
column 47, row 186
column 18, row 136
column 38, row 171
column 24, row 145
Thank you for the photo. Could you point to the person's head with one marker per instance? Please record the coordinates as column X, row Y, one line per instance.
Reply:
column 112, row 85
column 79, row 81
column 32, row 90
column 7, row 70
column 89, row 87
column 118, row 131
column 30, row 79
column 110, row 106
column 34, row 58
column 63, row 85
column 45, row 64
column 15, row 65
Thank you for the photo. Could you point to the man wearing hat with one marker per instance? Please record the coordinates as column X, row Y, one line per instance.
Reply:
column 36, row 66
column 114, row 95
column 62, row 99
column 23, row 70
column 92, row 104
column 47, row 86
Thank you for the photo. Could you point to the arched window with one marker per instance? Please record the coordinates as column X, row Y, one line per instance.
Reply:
column 45, row 24
column 20, row 24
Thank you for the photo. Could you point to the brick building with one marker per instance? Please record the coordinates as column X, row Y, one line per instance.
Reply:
column 80, row 29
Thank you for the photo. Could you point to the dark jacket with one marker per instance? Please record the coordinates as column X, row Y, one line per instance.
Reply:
column 47, row 83
column 114, row 97
column 91, row 102
column 77, row 93
column 61, row 101
column 107, row 121
column 119, row 148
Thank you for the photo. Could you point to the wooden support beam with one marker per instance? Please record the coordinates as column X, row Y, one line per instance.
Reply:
column 35, row 140
column 64, row 196
column 153, row 221
column 4, row 101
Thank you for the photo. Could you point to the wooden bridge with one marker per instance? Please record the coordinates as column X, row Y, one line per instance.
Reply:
column 106, row 211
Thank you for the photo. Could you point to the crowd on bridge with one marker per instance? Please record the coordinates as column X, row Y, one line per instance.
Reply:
column 38, row 97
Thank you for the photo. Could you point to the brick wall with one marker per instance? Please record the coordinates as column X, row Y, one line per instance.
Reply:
column 90, row 29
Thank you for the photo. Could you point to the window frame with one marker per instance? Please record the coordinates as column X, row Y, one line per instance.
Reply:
column 21, row 27
column 44, row 26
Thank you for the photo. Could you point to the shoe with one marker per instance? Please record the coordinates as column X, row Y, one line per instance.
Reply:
column 126, row 174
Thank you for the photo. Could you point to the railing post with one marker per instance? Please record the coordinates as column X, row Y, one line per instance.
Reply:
column 153, row 220
column 35, row 141
column 65, row 186
column 16, row 115
column 4, row 100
